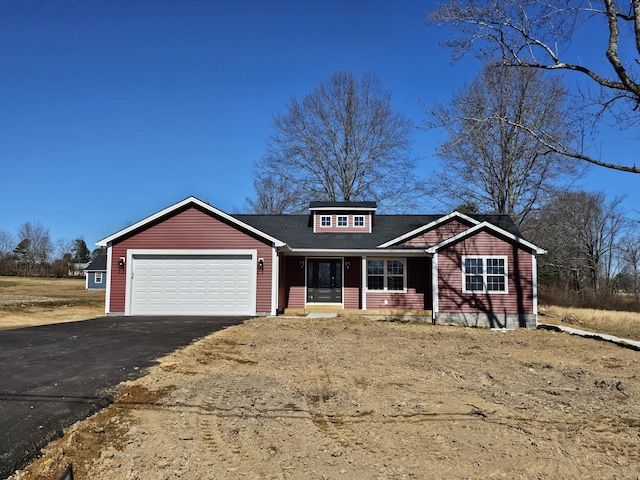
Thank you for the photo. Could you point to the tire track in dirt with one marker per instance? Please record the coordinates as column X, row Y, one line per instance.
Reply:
column 336, row 426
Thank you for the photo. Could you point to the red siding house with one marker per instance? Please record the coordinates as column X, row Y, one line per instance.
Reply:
column 193, row 259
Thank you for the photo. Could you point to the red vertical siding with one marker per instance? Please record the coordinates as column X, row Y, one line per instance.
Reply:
column 519, row 298
column 191, row 229
column 438, row 234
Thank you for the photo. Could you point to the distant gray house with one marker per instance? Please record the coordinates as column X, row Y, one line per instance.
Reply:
column 77, row 269
column 96, row 273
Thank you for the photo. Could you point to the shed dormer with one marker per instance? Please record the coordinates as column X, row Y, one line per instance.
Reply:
column 342, row 217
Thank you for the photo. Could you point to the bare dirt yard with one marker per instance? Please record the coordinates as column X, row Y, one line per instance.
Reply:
column 351, row 398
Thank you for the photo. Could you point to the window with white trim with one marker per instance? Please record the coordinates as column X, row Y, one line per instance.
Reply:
column 343, row 221
column 484, row 274
column 386, row 274
column 98, row 277
column 358, row 221
column 325, row 221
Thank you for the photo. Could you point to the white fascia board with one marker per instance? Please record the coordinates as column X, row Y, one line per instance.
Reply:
column 429, row 226
column 494, row 229
column 194, row 201
column 373, row 252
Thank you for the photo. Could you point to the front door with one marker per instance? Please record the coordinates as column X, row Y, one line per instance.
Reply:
column 324, row 281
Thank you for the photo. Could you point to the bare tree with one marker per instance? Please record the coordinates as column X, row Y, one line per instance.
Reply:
column 273, row 196
column 7, row 242
column 580, row 230
column 630, row 251
column 490, row 162
column 538, row 34
column 341, row 142
column 35, row 246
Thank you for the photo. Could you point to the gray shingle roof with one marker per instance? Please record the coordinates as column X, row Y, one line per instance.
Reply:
column 356, row 205
column 98, row 264
column 297, row 231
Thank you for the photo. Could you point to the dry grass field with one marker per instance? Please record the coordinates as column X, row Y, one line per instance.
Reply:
column 620, row 324
column 26, row 302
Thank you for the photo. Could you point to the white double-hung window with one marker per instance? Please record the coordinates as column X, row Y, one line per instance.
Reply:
column 386, row 274
column 484, row 274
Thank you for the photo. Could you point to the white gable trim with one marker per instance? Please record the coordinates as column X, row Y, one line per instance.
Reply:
column 188, row 201
column 429, row 226
column 481, row 226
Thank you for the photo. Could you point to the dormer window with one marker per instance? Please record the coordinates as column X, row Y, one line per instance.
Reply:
column 342, row 217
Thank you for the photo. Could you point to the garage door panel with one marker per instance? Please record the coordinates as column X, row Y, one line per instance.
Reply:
column 193, row 284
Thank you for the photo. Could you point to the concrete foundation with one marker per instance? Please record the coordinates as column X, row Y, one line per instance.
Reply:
column 491, row 320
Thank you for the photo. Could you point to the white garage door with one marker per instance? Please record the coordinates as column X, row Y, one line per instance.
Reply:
column 192, row 285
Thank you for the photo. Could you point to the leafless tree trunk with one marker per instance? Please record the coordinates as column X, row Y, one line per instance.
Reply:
column 538, row 34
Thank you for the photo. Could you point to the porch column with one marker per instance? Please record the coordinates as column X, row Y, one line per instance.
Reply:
column 363, row 283
column 275, row 280
column 534, row 284
column 434, row 287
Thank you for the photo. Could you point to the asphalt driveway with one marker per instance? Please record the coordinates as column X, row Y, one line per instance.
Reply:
column 54, row 375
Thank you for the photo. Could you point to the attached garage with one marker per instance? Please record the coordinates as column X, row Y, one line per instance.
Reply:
column 191, row 259
column 192, row 283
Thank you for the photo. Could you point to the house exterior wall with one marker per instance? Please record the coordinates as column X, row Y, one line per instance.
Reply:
column 91, row 281
column 293, row 289
column 418, row 292
column 334, row 228
column 351, row 278
column 514, row 308
column 294, row 283
column 282, row 282
column 189, row 229
column 438, row 234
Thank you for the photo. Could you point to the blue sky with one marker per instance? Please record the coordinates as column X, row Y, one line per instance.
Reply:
column 112, row 110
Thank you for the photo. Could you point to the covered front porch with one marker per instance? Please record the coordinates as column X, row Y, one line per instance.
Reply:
column 366, row 284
